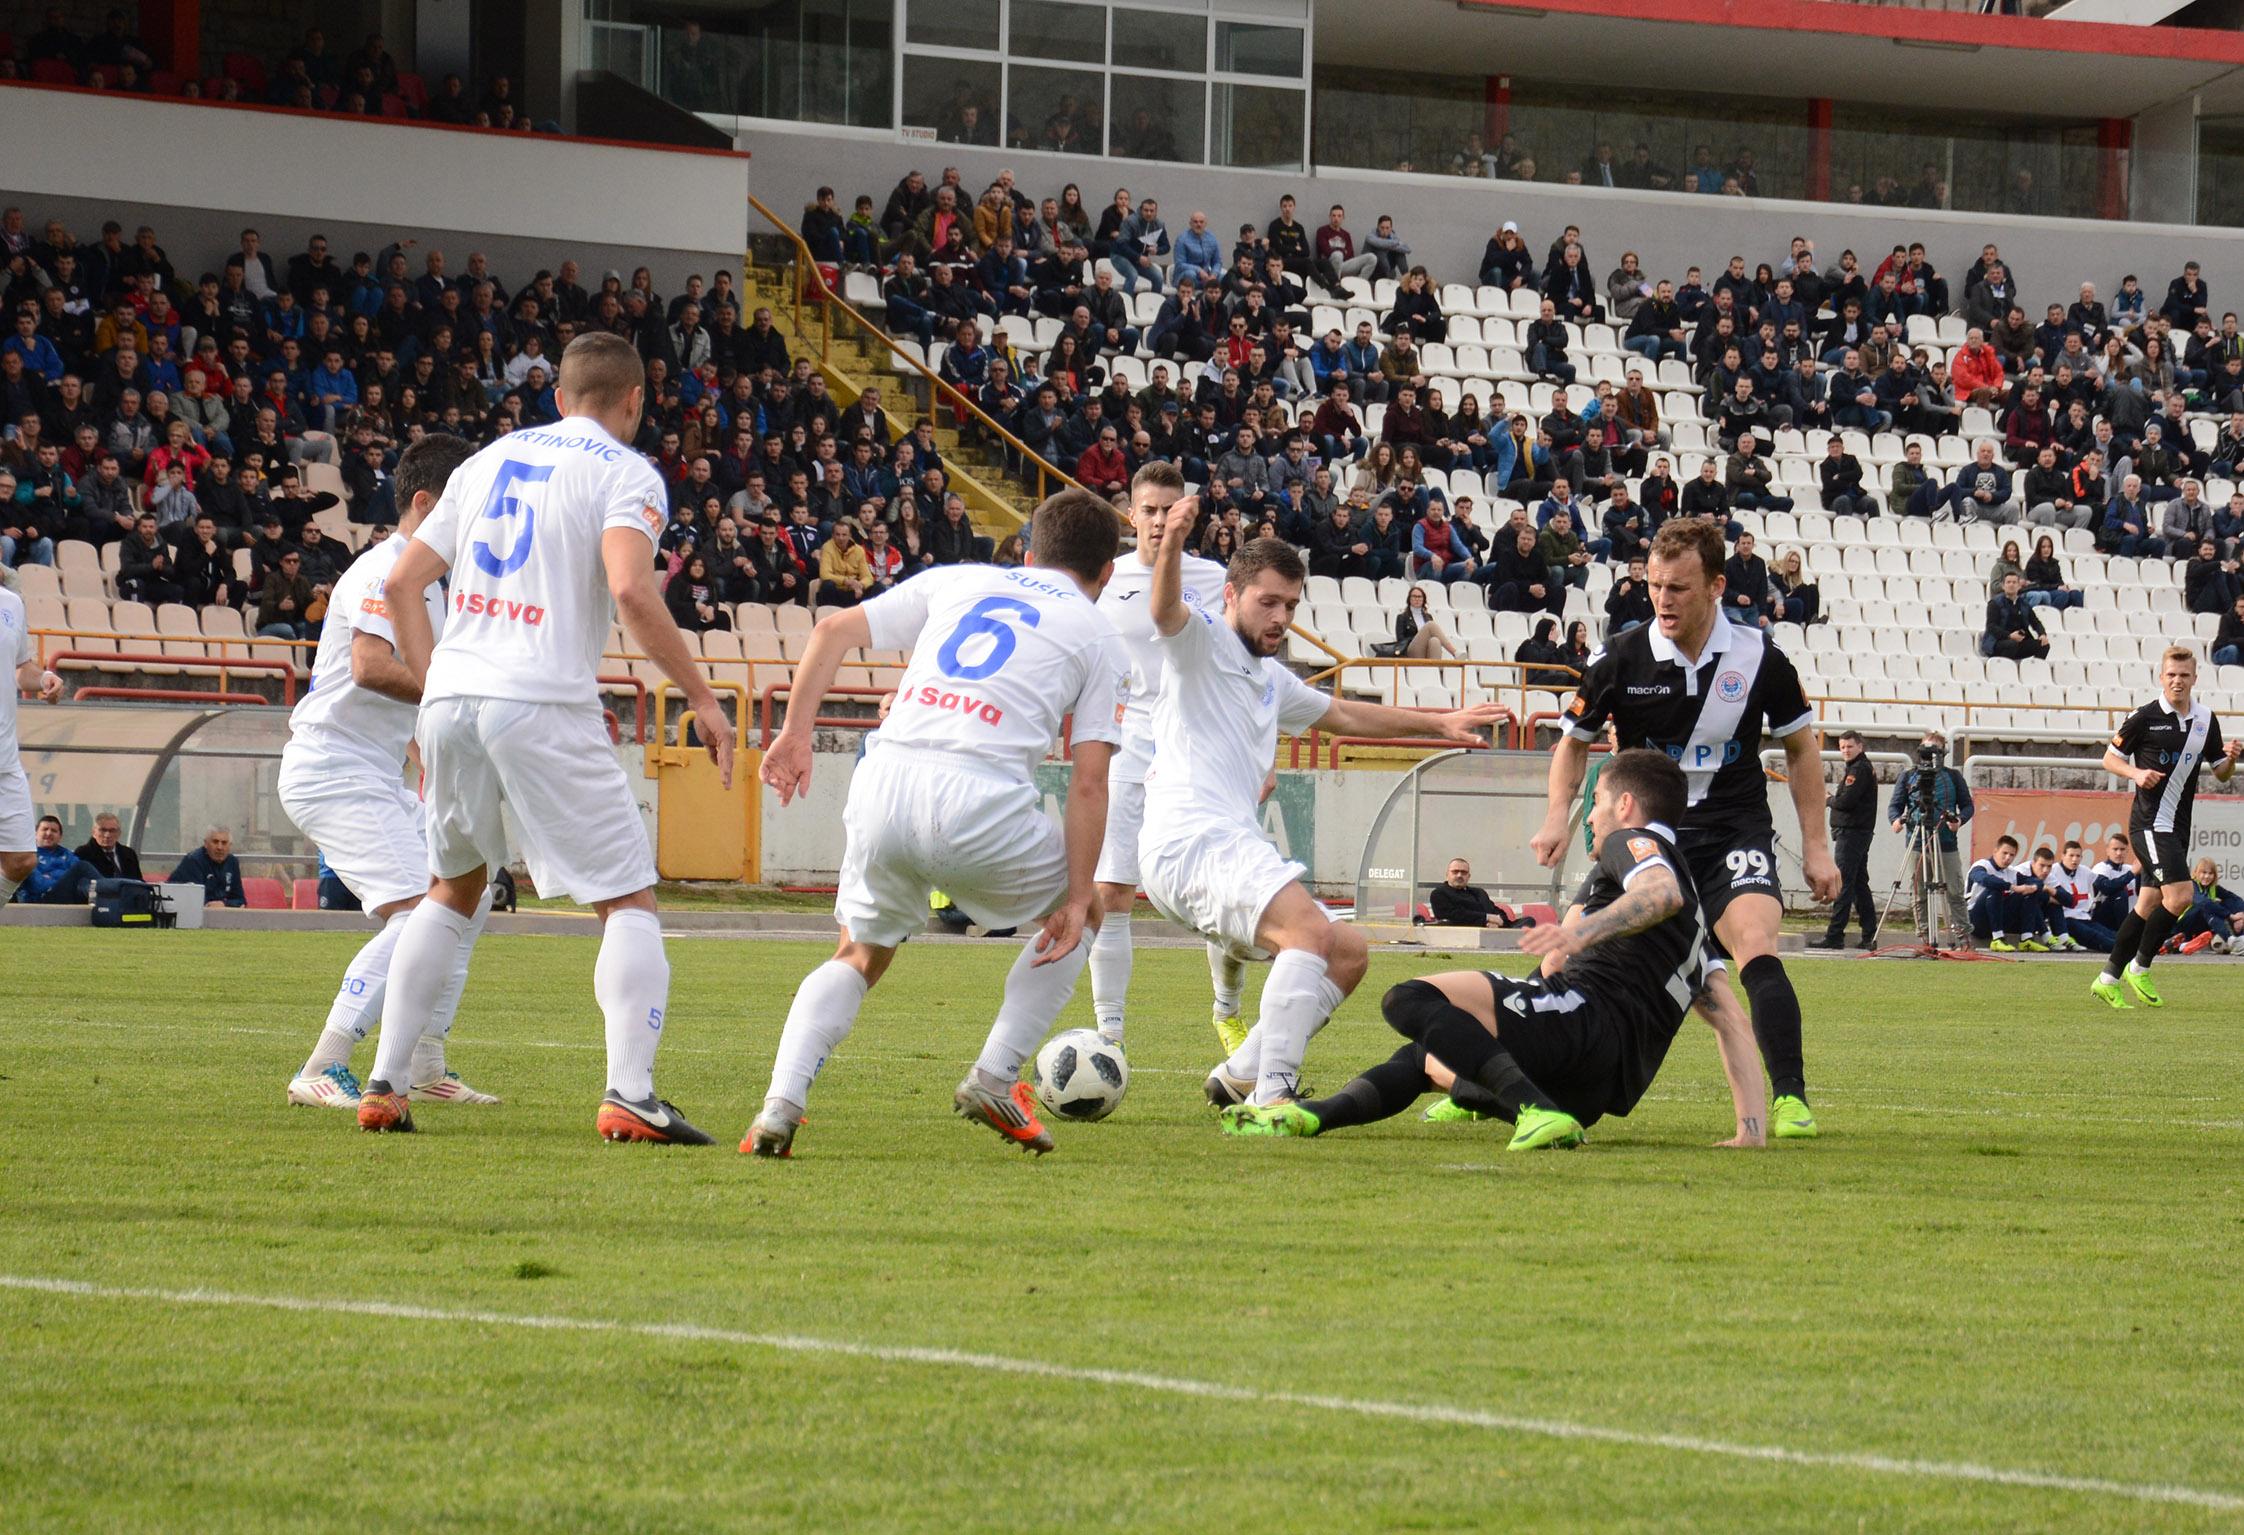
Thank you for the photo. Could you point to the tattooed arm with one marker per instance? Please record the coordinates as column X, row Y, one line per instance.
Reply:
column 1651, row 898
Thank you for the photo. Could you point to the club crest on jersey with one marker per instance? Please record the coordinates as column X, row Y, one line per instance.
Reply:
column 1269, row 692
column 1641, row 848
column 1730, row 686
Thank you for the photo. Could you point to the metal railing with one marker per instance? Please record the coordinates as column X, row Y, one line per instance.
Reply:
column 810, row 288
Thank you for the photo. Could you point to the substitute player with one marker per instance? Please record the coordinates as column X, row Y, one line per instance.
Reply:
column 539, row 531
column 341, row 782
column 2159, row 749
column 1698, row 687
column 947, row 798
column 1126, row 604
column 18, row 826
column 1203, row 857
column 1584, row 1038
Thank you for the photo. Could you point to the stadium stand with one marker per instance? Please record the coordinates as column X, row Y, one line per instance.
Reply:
column 1905, row 424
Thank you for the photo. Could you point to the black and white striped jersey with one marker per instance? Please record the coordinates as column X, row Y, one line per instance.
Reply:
column 2177, row 745
column 1707, row 717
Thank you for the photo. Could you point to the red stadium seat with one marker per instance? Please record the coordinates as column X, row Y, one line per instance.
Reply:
column 54, row 72
column 265, row 894
column 163, row 82
column 415, row 91
column 248, row 68
column 394, row 106
column 305, row 894
column 1543, row 915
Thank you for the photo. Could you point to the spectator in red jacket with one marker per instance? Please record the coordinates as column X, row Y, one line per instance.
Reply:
column 1102, row 466
column 1976, row 374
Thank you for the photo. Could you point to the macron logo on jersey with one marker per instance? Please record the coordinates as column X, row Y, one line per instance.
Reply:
column 476, row 605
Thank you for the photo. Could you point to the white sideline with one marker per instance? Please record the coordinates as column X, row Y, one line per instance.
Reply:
column 1171, row 1385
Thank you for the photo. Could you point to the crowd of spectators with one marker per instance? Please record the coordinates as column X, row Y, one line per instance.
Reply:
column 185, row 419
column 365, row 81
column 2095, row 417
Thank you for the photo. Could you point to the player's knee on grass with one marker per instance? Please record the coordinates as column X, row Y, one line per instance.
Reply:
column 1412, row 1007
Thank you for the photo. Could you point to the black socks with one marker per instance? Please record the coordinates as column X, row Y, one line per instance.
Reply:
column 1386, row 1090
column 1776, row 1025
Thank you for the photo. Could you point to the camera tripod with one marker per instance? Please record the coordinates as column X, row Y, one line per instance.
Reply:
column 1941, row 919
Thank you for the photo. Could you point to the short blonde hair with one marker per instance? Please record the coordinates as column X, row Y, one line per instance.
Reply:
column 2173, row 653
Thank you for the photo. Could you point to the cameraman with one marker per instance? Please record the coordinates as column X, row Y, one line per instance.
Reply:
column 1854, row 820
column 1933, row 794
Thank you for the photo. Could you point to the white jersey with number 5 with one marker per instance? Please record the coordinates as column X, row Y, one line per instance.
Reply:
column 999, row 658
column 520, row 525
column 1128, row 604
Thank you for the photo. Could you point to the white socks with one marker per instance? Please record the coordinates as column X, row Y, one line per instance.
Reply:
column 357, row 1007
column 427, row 950
column 1227, row 979
column 1110, row 974
column 823, row 1013
column 1035, row 996
column 8, row 889
column 428, row 1055
column 1296, row 1001
column 631, row 981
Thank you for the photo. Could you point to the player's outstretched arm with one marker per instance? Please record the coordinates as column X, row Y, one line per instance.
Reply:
column 1352, row 717
column 404, row 592
column 1085, row 832
column 2225, row 769
column 1652, row 897
column 1569, row 763
column 1741, row 1060
column 648, row 624
column 376, row 668
column 787, row 761
column 1803, row 766
column 1167, row 595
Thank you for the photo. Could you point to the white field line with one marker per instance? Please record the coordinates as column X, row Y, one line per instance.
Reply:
column 1173, row 1385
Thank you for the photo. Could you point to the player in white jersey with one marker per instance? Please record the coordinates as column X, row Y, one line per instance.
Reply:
column 1203, row 857
column 341, row 782
column 539, row 531
column 18, row 826
column 947, row 798
column 1127, row 604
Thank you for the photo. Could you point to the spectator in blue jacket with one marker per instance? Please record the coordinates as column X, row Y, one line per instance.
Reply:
column 2128, row 521
column 2076, row 897
column 214, row 867
column 58, row 876
column 39, row 354
column 330, row 390
column 1999, row 909
column 2112, row 883
column 1982, row 491
column 1199, row 254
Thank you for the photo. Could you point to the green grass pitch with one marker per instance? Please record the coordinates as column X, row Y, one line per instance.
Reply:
column 2019, row 1248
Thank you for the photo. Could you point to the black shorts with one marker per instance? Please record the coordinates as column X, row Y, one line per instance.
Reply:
column 1563, row 1042
column 1727, row 864
column 2164, row 855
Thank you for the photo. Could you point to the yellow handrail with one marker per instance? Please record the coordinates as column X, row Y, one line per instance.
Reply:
column 808, row 274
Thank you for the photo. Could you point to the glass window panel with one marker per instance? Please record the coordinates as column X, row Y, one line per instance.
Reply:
column 956, row 99
column 1160, row 40
column 1158, row 119
column 1047, row 29
column 1258, row 126
column 1250, row 48
column 1057, row 109
column 951, row 24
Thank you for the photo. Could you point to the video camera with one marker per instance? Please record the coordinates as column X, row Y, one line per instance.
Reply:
column 1924, row 800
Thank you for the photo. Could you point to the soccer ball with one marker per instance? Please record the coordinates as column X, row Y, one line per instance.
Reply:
column 1081, row 1076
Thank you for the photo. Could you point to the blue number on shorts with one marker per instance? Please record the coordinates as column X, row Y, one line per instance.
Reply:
column 502, row 503
column 981, row 619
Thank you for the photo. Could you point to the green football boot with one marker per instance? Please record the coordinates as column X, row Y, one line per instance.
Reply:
column 1791, row 1119
column 1269, row 1119
column 1448, row 1111
column 1232, row 1030
column 1545, row 1129
column 2107, row 988
column 2139, row 982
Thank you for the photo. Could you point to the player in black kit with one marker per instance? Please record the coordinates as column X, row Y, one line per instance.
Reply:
column 1698, row 687
column 2159, row 749
column 1585, row 1037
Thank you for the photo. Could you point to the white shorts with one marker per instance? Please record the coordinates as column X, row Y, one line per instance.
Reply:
column 553, row 766
column 1125, row 817
column 1218, row 882
column 19, row 826
column 918, row 821
column 369, row 830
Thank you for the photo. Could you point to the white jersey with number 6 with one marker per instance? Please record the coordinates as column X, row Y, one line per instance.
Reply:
column 999, row 657
column 1127, row 603
column 520, row 526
